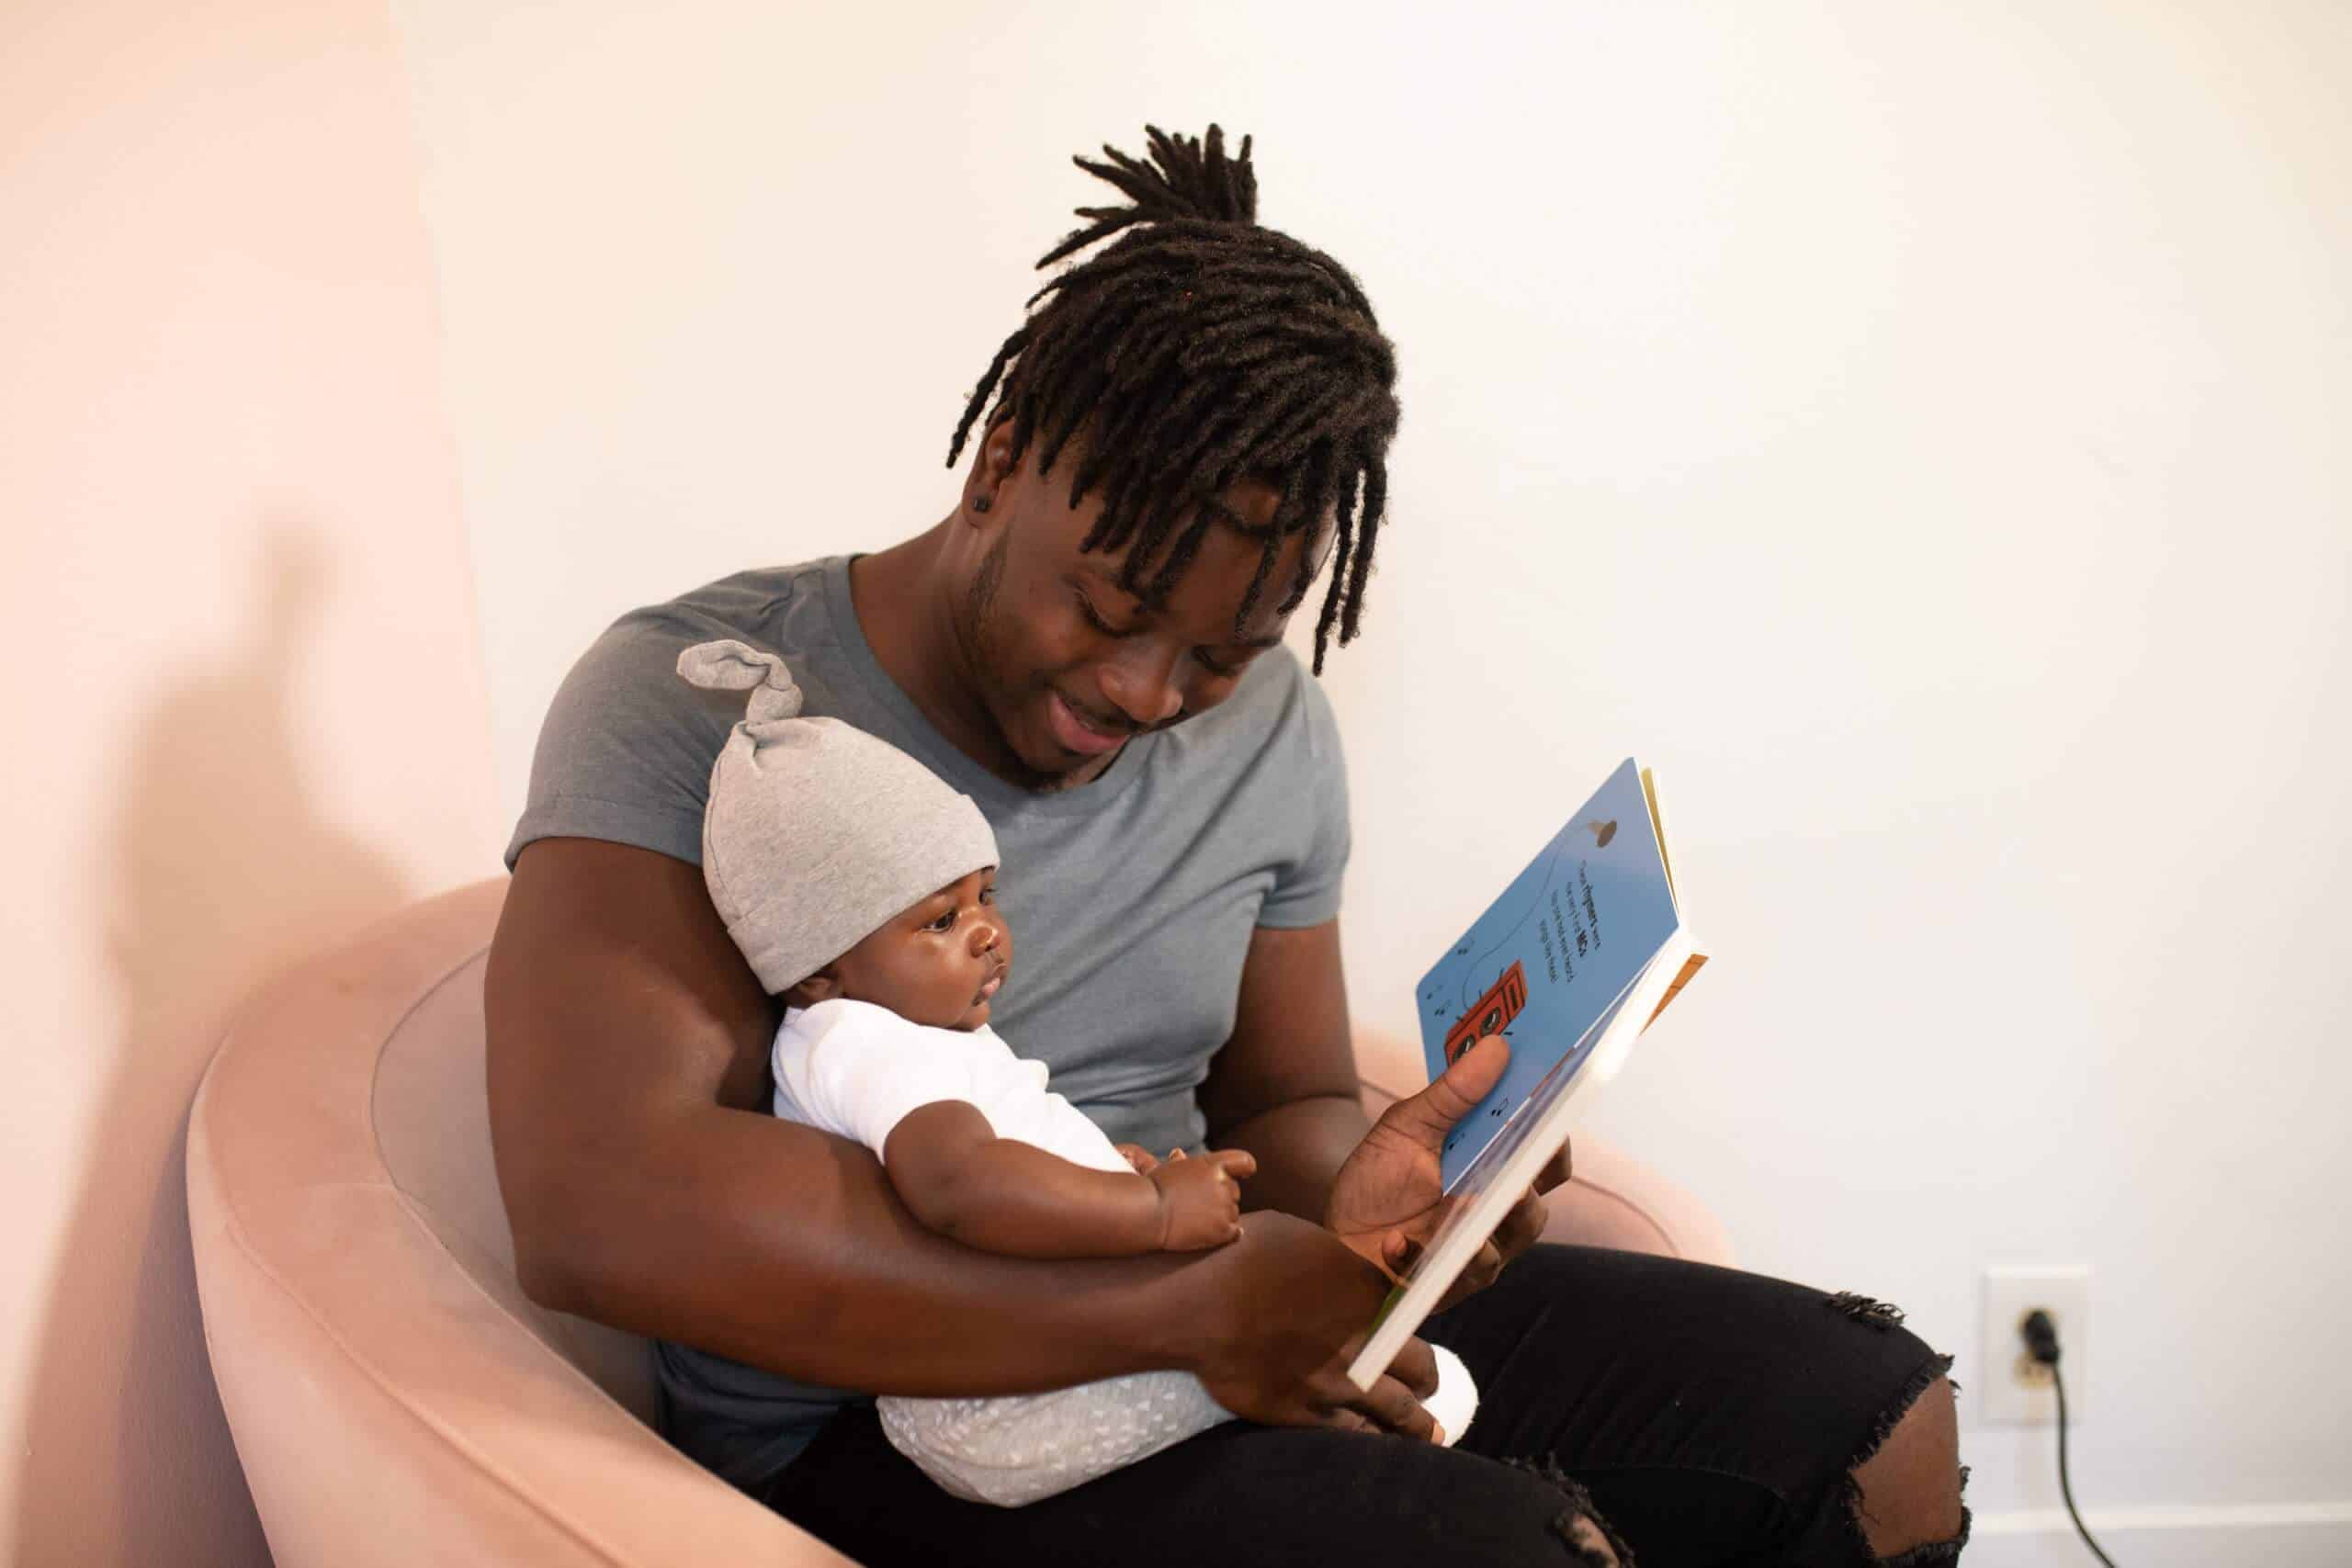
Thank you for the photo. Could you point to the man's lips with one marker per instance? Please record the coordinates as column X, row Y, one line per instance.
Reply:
column 1079, row 732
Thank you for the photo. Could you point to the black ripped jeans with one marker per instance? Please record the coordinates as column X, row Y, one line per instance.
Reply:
column 1704, row 1414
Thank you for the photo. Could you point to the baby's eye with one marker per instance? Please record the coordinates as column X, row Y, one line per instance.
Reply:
column 988, row 895
column 944, row 922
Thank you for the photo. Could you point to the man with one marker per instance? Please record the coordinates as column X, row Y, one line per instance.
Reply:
column 1190, row 427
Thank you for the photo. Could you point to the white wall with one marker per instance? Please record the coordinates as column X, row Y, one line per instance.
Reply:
column 1905, row 426
column 244, row 700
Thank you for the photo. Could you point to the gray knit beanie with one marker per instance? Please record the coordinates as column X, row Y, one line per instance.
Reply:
column 817, row 833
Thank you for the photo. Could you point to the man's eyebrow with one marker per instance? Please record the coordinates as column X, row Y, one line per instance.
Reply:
column 1108, row 579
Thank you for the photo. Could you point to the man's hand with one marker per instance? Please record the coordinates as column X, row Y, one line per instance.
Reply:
column 1293, row 1307
column 1386, row 1200
column 1200, row 1199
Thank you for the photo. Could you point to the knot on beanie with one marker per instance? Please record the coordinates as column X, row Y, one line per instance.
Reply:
column 817, row 833
column 731, row 666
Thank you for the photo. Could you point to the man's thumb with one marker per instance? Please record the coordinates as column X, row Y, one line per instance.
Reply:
column 1429, row 1115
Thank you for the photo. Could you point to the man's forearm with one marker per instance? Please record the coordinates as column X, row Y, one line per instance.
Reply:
column 786, row 1247
column 1300, row 1147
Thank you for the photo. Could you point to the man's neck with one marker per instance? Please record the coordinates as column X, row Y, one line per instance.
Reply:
column 910, row 616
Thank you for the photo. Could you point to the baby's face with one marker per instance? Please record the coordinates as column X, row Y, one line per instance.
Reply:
column 937, row 962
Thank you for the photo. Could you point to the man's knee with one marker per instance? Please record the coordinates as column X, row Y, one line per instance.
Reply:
column 1906, row 1492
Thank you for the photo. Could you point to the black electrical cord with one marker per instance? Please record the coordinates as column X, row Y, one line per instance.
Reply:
column 2041, row 1343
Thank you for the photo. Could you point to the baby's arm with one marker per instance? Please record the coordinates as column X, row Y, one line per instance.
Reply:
column 1004, row 1196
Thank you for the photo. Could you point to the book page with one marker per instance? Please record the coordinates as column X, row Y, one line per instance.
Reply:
column 1550, row 957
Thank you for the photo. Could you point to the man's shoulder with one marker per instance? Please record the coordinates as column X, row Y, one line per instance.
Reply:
column 757, row 605
column 632, row 666
column 626, row 749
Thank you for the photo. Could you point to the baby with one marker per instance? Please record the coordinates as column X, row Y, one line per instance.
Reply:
column 861, row 888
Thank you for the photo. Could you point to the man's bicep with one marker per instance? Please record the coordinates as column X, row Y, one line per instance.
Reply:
column 614, row 1002
column 1291, row 1039
column 610, row 961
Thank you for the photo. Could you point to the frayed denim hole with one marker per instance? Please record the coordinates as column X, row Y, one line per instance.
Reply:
column 1866, row 1310
column 1580, row 1510
column 1928, row 1554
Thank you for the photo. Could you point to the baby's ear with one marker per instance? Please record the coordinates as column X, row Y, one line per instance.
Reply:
column 823, row 985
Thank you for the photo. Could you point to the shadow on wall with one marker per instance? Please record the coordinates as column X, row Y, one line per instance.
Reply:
column 218, row 872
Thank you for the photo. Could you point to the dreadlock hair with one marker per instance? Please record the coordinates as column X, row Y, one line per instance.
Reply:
column 1197, row 351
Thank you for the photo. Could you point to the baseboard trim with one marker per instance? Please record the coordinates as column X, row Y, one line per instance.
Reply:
column 2169, row 1517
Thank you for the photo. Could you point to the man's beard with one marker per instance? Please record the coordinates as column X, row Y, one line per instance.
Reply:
column 980, row 637
column 979, row 604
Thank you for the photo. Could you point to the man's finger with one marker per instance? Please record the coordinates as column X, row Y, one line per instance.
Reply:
column 1429, row 1116
column 1392, row 1405
column 1522, row 1228
column 1484, row 1265
column 1556, row 1171
column 1416, row 1367
column 1476, row 1275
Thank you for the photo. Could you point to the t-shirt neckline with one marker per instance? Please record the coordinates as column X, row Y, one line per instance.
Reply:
column 941, row 755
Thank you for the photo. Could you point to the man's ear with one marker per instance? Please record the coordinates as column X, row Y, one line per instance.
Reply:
column 991, row 465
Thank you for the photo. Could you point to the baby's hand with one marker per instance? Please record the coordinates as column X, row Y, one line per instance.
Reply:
column 1200, row 1199
column 1144, row 1161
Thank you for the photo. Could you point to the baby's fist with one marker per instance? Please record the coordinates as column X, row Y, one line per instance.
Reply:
column 1200, row 1199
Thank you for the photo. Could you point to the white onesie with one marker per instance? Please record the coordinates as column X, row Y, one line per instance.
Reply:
column 856, row 1069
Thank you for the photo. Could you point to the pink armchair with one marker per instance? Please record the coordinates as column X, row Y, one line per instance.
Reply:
column 394, row 1395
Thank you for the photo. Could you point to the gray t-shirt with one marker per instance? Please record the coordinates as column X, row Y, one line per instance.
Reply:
column 1132, row 898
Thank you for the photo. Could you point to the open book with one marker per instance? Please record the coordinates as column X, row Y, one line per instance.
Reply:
column 1581, row 952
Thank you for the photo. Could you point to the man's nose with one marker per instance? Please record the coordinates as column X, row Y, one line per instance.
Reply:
column 1142, row 684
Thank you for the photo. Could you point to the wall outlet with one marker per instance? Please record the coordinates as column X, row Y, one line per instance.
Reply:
column 2013, row 1388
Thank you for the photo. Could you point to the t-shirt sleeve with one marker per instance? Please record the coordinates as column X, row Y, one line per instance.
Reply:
column 868, row 1071
column 626, row 752
column 1307, row 886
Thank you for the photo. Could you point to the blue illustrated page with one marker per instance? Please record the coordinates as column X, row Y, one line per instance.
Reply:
column 1549, row 959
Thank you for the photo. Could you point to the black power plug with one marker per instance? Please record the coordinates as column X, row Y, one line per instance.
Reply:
column 2041, row 1336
